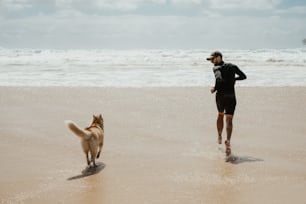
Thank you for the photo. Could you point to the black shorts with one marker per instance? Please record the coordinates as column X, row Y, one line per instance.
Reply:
column 226, row 103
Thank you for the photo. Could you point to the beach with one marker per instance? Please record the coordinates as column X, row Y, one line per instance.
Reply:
column 160, row 146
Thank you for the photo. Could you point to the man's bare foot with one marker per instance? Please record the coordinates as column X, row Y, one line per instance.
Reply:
column 227, row 149
column 219, row 139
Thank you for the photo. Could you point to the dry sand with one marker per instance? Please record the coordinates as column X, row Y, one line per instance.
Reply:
column 160, row 146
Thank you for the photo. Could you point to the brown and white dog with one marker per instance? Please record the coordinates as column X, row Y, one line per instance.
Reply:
column 91, row 137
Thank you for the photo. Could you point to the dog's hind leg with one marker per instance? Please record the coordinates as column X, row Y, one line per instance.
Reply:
column 88, row 161
column 93, row 159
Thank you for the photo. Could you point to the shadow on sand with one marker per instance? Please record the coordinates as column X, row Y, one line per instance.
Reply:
column 234, row 159
column 243, row 159
column 89, row 171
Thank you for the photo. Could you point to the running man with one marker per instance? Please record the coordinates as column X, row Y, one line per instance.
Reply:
column 225, row 74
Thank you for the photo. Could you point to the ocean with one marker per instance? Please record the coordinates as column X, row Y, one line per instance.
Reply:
column 147, row 68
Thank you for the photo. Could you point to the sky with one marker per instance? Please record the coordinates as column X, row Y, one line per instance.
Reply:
column 152, row 24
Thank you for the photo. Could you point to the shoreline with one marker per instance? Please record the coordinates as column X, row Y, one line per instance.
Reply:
column 160, row 146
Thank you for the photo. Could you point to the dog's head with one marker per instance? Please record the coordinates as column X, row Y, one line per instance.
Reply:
column 98, row 120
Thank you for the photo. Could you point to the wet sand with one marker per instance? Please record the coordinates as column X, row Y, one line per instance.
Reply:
column 160, row 146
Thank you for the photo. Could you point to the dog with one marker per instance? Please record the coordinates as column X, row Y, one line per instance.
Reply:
column 91, row 137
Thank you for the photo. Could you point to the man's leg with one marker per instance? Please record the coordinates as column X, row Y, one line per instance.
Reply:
column 229, row 129
column 229, row 126
column 220, row 126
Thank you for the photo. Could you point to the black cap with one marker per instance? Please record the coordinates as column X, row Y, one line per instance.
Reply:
column 214, row 54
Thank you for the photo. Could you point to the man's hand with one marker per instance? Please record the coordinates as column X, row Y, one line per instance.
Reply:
column 212, row 90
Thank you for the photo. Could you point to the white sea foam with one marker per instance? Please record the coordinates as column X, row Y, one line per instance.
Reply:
column 146, row 68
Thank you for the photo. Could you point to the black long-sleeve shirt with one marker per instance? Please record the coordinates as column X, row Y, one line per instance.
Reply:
column 225, row 74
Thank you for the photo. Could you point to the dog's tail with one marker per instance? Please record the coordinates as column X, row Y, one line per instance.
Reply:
column 77, row 130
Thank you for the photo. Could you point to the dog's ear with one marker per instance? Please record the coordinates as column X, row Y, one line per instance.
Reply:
column 100, row 116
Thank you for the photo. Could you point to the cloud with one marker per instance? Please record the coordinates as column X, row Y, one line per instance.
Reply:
column 244, row 4
column 14, row 5
column 131, row 5
column 120, row 5
column 293, row 10
column 84, row 24
column 186, row 2
column 79, row 30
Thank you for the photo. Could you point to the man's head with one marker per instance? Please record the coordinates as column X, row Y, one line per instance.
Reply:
column 215, row 57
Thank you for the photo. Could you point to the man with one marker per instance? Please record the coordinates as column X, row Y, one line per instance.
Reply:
column 225, row 74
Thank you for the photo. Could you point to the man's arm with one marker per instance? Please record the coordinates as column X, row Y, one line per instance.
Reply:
column 241, row 75
column 219, row 80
